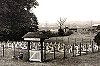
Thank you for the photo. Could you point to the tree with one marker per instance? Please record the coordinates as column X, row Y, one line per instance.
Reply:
column 60, row 32
column 60, row 24
column 16, row 19
column 47, row 33
column 97, row 39
column 98, row 28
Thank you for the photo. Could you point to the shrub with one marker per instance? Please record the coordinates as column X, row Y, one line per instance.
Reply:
column 60, row 32
column 54, row 34
column 69, row 32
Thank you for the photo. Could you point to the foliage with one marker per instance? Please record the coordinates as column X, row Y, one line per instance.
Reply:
column 54, row 35
column 97, row 39
column 47, row 33
column 60, row 32
column 15, row 20
column 98, row 27
column 69, row 32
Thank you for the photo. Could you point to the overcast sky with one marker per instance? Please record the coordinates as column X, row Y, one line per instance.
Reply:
column 74, row 10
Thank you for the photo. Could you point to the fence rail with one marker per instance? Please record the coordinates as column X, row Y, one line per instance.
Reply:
column 75, row 48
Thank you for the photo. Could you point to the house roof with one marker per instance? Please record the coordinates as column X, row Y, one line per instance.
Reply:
column 73, row 29
column 98, row 27
column 35, row 35
column 95, row 25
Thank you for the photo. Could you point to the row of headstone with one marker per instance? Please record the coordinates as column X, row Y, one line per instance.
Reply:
column 35, row 46
column 58, row 47
column 83, row 48
column 50, row 46
column 17, row 44
column 77, row 48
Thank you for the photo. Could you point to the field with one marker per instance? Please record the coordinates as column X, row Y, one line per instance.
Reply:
column 91, row 59
column 74, row 38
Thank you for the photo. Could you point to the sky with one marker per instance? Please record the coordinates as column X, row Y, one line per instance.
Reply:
column 49, row 11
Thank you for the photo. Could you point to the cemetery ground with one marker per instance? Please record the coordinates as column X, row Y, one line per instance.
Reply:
column 91, row 59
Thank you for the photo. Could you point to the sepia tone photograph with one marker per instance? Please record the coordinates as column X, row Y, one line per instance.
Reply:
column 49, row 33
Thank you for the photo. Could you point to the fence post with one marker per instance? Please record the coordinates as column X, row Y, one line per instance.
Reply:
column 73, row 49
column 41, row 42
column 86, row 49
column 75, row 41
column 3, row 50
column 14, row 49
column 44, row 51
column 28, row 48
column 64, row 50
column 80, row 49
column 92, row 47
column 98, row 49
column 54, row 51
column 90, row 41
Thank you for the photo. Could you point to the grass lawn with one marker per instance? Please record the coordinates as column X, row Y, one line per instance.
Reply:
column 74, row 38
column 92, row 59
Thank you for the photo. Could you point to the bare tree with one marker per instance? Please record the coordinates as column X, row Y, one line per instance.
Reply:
column 61, row 22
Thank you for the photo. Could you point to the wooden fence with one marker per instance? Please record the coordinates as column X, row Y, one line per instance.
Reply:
column 76, row 48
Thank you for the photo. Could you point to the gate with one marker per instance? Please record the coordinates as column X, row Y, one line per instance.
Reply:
column 35, row 56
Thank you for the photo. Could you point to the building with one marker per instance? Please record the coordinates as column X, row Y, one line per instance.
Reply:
column 73, row 29
column 96, row 27
column 66, row 29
